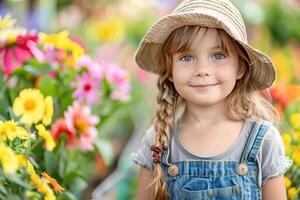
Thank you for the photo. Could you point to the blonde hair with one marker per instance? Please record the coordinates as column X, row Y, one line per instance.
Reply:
column 244, row 101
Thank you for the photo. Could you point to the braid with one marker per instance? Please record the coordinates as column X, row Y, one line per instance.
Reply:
column 162, row 123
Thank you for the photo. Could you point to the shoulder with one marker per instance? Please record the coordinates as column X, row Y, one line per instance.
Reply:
column 272, row 135
column 149, row 135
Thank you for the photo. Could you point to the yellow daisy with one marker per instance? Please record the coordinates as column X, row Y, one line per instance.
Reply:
column 50, row 144
column 48, row 110
column 8, row 159
column 9, row 130
column 30, row 104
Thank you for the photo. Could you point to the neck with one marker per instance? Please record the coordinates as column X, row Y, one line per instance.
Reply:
column 204, row 116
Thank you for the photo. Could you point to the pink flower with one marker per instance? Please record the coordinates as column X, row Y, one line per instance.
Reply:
column 87, row 89
column 14, row 55
column 95, row 69
column 79, row 120
column 49, row 55
column 119, row 78
column 59, row 128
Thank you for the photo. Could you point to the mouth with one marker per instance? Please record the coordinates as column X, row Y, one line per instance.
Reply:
column 204, row 85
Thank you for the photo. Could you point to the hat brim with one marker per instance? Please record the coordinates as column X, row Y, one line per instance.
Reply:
column 150, row 46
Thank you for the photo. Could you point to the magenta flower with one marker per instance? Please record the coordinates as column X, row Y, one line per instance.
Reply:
column 79, row 120
column 87, row 89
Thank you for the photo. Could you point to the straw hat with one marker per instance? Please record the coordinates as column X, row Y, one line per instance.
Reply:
column 209, row 13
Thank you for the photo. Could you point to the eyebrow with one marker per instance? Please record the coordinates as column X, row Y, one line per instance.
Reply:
column 217, row 47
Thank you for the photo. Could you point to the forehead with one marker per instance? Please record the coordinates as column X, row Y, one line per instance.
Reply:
column 205, row 37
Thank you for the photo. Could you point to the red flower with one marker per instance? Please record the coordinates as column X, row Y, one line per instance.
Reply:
column 59, row 128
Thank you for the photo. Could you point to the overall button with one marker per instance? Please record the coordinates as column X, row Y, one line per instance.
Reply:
column 242, row 169
column 173, row 170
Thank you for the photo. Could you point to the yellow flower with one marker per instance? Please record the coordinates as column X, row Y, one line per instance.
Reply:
column 292, row 192
column 7, row 21
column 50, row 144
column 287, row 182
column 295, row 120
column 111, row 30
column 41, row 187
column 74, row 52
column 53, row 182
column 9, row 130
column 49, row 194
column 48, row 110
column 287, row 139
column 57, row 40
column 22, row 160
column 30, row 104
column 30, row 168
column 8, row 159
column 61, row 40
column 296, row 157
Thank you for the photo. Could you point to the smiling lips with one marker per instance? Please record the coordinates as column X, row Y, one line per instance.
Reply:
column 204, row 85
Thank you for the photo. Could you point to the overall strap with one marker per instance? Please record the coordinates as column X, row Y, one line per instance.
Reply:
column 166, row 156
column 254, row 141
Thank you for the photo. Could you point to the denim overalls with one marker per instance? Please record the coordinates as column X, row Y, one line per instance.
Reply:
column 217, row 180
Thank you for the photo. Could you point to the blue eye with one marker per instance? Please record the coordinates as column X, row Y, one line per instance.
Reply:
column 218, row 56
column 186, row 58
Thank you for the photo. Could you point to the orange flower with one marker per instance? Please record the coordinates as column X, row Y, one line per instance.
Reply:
column 53, row 182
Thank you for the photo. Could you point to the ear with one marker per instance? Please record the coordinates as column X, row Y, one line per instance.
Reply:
column 170, row 78
column 241, row 70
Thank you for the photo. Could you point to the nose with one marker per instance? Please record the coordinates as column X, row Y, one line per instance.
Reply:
column 202, row 69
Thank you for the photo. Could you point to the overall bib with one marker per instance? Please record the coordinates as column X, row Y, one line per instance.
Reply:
column 217, row 180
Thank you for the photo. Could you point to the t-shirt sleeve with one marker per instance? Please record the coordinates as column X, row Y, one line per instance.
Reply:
column 274, row 162
column 143, row 154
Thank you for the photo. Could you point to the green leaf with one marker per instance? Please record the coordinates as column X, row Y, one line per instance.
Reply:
column 48, row 86
column 67, row 196
column 15, row 179
column 13, row 197
column 37, row 69
column 50, row 162
column 2, row 189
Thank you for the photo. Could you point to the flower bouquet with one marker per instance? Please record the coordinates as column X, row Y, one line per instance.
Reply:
column 55, row 100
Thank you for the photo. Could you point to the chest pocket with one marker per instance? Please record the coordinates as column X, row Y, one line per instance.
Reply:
column 201, row 188
column 225, row 193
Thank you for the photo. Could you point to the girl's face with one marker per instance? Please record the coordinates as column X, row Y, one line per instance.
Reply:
column 205, row 74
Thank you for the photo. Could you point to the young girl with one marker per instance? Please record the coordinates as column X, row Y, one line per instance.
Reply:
column 213, row 135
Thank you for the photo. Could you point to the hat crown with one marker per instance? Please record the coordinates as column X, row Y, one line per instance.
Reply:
column 223, row 10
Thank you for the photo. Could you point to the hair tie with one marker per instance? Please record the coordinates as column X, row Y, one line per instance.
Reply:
column 157, row 152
